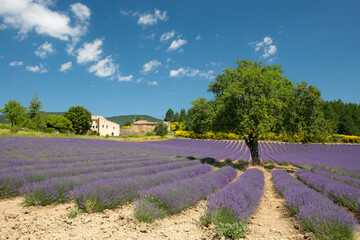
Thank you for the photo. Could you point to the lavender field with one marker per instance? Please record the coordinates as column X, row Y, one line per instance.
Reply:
column 167, row 177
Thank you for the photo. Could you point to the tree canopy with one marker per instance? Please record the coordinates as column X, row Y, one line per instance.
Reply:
column 80, row 118
column 35, row 120
column 15, row 113
column 254, row 98
column 60, row 123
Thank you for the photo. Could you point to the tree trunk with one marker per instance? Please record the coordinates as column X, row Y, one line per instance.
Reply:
column 253, row 145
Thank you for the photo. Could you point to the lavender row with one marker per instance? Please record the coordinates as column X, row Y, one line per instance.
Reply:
column 316, row 212
column 55, row 190
column 338, row 177
column 344, row 194
column 237, row 201
column 166, row 199
column 11, row 182
column 110, row 193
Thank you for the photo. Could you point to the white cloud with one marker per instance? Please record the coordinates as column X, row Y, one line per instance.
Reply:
column 125, row 78
column 147, row 19
column 104, row 67
column 269, row 51
column 27, row 15
column 166, row 36
column 81, row 11
column 151, row 36
column 16, row 63
column 3, row 26
column 198, row 37
column 175, row 44
column 189, row 72
column 154, row 83
column 66, row 66
column 44, row 50
column 151, row 65
column 266, row 45
column 37, row 68
column 89, row 52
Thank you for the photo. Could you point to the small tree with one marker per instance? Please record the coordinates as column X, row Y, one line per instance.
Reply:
column 15, row 113
column 161, row 129
column 176, row 117
column 200, row 116
column 182, row 115
column 169, row 117
column 34, row 114
column 80, row 118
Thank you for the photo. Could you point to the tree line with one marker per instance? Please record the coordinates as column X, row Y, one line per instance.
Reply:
column 77, row 119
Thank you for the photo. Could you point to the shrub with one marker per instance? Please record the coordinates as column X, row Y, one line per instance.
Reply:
column 150, row 134
column 161, row 129
column 49, row 130
column 4, row 126
column 14, row 129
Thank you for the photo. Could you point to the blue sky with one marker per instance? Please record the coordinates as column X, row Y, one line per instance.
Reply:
column 144, row 57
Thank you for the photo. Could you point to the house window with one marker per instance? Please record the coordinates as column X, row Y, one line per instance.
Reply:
column 114, row 128
column 102, row 126
column 106, row 126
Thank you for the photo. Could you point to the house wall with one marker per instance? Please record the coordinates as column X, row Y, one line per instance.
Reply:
column 104, row 127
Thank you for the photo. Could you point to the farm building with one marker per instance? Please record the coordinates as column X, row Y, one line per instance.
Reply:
column 145, row 126
column 104, row 127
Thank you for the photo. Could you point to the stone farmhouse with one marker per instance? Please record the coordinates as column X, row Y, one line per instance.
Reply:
column 104, row 127
column 143, row 126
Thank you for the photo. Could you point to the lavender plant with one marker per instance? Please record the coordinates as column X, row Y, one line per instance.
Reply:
column 167, row 199
column 236, row 202
column 317, row 213
column 344, row 194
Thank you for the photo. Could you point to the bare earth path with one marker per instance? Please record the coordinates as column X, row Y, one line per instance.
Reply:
column 272, row 219
column 52, row 222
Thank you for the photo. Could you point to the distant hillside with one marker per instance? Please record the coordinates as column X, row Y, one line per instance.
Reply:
column 2, row 119
column 124, row 118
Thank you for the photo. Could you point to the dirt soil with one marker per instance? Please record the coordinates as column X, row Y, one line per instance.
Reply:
column 271, row 221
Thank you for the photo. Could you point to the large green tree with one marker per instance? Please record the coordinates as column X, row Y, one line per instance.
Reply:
column 80, row 118
column 249, row 99
column 15, row 113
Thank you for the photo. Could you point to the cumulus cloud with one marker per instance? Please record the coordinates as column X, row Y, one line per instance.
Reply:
column 81, row 11
column 148, row 19
column 189, row 72
column 44, row 50
column 153, row 83
column 198, row 37
column 166, row 36
column 36, row 68
column 66, row 66
column 16, row 63
column 266, row 45
column 89, row 52
column 104, row 67
column 125, row 78
column 151, row 65
column 176, row 44
column 27, row 15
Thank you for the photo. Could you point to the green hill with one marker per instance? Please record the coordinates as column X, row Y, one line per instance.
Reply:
column 124, row 118
column 2, row 119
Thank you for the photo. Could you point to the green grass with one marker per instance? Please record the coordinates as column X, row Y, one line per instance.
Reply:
column 131, row 138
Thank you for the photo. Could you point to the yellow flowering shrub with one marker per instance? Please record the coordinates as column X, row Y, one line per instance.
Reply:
column 124, row 127
column 348, row 138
